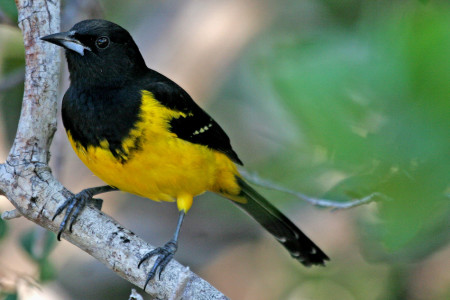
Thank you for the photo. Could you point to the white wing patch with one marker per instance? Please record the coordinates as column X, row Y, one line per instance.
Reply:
column 203, row 129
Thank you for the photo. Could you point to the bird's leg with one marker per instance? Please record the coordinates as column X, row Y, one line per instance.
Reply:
column 77, row 202
column 164, row 253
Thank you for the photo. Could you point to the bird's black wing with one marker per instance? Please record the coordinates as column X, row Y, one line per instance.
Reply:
column 197, row 127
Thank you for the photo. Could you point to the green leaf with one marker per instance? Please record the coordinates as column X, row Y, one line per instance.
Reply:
column 3, row 228
column 47, row 271
column 38, row 244
column 12, row 62
column 11, row 296
column 50, row 243
column 27, row 242
column 9, row 8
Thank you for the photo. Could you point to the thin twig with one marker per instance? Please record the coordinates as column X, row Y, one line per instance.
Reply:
column 335, row 205
column 11, row 214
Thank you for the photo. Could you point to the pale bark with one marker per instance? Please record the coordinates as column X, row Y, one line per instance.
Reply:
column 26, row 179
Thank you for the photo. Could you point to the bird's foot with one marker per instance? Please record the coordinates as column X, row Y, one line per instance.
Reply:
column 75, row 205
column 165, row 254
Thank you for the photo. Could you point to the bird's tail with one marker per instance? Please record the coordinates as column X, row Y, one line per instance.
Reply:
column 296, row 242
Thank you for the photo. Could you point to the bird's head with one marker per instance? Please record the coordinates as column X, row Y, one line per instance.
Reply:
column 99, row 50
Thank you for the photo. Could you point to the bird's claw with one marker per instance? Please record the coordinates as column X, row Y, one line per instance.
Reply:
column 74, row 206
column 165, row 255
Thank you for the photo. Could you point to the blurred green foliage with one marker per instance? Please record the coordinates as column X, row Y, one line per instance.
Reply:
column 3, row 234
column 374, row 99
column 8, row 7
column 3, row 229
column 12, row 62
column 38, row 244
column 369, row 102
column 10, row 296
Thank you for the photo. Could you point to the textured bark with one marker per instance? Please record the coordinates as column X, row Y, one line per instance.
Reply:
column 26, row 179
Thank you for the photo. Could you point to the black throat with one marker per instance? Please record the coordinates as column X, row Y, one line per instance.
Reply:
column 95, row 114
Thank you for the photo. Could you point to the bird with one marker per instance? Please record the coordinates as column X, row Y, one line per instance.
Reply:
column 141, row 133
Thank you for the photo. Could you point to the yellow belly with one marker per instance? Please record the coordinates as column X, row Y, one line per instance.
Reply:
column 164, row 167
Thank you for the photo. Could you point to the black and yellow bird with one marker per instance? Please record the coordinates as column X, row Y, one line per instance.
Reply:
column 142, row 133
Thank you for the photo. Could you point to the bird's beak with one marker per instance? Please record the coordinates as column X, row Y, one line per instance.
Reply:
column 66, row 40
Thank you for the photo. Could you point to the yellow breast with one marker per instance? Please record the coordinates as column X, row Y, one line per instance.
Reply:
column 163, row 167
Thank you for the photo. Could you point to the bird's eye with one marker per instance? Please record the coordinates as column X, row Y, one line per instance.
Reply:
column 102, row 42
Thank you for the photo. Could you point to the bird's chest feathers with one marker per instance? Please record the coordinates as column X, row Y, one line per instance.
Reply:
column 110, row 136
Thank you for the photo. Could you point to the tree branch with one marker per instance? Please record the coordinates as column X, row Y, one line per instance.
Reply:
column 11, row 214
column 335, row 205
column 26, row 179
